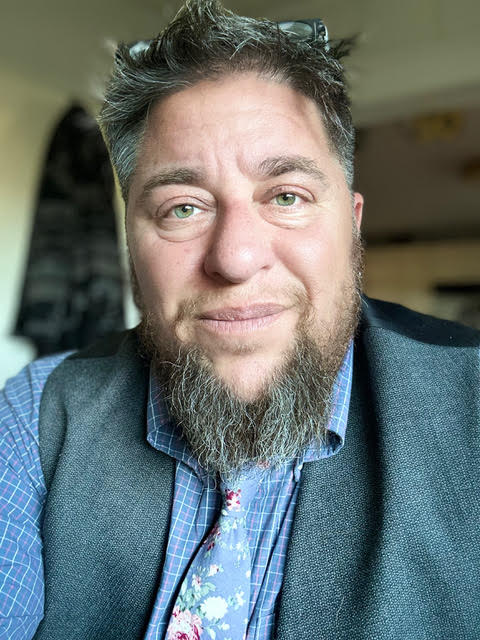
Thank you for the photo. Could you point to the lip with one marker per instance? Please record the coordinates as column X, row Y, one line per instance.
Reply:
column 237, row 321
column 250, row 312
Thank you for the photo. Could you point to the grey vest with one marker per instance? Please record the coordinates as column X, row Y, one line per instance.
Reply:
column 386, row 539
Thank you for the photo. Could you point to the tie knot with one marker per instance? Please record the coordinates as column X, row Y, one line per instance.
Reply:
column 233, row 499
column 238, row 493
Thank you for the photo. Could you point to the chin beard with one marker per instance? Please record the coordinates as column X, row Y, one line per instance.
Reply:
column 226, row 433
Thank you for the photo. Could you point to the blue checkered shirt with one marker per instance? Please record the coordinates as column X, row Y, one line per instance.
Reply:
column 195, row 507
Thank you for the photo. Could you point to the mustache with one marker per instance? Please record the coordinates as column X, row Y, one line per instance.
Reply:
column 204, row 303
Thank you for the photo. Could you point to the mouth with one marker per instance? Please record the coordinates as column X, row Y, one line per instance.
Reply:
column 241, row 319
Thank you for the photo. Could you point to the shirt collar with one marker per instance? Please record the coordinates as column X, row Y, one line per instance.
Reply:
column 337, row 424
column 166, row 436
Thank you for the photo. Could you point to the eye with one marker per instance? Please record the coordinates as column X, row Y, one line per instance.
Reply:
column 286, row 199
column 184, row 210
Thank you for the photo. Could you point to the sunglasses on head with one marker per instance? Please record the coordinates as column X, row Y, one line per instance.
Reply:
column 300, row 30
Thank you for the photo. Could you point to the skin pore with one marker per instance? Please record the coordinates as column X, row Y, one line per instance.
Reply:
column 245, row 252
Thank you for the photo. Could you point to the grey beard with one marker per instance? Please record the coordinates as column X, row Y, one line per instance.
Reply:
column 226, row 433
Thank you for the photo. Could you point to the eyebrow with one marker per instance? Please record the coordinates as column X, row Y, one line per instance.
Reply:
column 268, row 168
column 279, row 165
column 170, row 176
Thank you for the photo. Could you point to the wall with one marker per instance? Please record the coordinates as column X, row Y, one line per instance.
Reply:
column 407, row 273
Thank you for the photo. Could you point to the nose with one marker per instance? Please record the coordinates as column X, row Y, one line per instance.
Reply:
column 240, row 245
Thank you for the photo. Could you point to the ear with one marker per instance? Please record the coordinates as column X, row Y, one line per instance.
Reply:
column 358, row 208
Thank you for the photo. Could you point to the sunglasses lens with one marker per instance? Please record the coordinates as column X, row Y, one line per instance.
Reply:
column 299, row 30
column 137, row 48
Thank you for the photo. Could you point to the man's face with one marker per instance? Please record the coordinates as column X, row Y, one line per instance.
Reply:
column 239, row 224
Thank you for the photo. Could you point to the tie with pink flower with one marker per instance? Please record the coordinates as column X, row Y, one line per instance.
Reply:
column 213, row 601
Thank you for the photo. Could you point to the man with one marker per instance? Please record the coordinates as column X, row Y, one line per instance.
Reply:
column 233, row 145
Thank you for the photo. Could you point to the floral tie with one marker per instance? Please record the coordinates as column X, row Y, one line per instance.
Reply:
column 213, row 601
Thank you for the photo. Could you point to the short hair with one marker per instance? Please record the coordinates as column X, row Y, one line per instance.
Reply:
column 205, row 41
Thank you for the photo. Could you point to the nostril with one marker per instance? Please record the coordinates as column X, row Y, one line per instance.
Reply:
column 237, row 262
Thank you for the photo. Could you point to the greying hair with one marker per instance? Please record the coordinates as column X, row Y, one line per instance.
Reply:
column 205, row 41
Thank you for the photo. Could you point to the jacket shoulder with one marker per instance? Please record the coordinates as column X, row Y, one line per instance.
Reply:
column 113, row 345
column 378, row 314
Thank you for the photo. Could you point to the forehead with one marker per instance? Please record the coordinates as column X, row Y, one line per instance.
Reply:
column 241, row 118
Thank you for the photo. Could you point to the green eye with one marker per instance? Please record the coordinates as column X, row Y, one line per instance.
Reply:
column 183, row 211
column 286, row 199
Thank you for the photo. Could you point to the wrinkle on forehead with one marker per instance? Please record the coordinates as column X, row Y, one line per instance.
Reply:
column 233, row 123
column 270, row 167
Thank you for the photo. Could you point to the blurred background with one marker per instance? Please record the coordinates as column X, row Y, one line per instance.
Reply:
column 415, row 86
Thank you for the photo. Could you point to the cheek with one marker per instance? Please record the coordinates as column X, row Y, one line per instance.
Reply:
column 164, row 271
column 317, row 259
